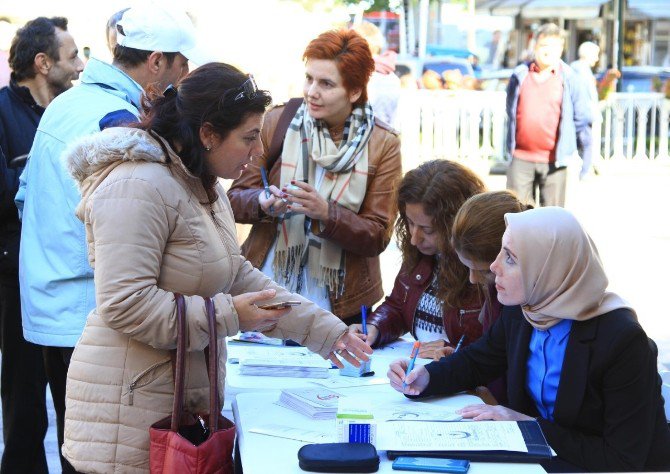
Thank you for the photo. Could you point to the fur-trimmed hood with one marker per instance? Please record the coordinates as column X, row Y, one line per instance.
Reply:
column 90, row 159
column 93, row 153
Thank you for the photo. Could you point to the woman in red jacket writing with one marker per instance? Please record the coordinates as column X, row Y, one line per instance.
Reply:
column 431, row 297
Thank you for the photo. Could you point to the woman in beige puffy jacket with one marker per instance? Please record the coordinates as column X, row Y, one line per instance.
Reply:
column 158, row 222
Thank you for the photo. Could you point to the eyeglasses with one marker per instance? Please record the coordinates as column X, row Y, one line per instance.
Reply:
column 247, row 90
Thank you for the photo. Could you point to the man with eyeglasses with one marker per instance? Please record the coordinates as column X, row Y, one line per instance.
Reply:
column 56, row 281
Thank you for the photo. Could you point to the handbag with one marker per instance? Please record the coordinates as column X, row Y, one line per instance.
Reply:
column 193, row 443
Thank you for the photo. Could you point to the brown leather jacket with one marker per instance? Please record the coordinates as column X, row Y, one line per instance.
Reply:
column 395, row 316
column 363, row 236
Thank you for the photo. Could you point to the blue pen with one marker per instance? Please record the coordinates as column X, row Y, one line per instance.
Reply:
column 364, row 318
column 412, row 360
column 460, row 343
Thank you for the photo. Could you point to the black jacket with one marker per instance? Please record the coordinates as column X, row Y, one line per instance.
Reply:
column 609, row 413
column 19, row 116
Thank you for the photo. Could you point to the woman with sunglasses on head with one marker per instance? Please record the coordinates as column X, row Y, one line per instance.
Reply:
column 575, row 356
column 431, row 297
column 327, row 210
column 158, row 223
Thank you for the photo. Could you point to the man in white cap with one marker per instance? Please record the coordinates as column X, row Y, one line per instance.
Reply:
column 56, row 281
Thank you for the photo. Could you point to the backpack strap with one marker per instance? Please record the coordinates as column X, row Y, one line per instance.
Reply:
column 277, row 143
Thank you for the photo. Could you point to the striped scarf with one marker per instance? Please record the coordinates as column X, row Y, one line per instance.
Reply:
column 308, row 143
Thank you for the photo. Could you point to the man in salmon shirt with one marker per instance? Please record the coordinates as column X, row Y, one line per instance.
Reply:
column 547, row 106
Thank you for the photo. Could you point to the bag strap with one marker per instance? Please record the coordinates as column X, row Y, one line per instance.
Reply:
column 178, row 363
column 179, row 360
column 277, row 143
column 213, row 367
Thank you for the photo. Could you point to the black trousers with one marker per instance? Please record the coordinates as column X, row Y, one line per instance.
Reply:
column 527, row 177
column 56, row 363
column 23, row 391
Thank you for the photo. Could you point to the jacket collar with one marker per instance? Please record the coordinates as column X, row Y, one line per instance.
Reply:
column 518, row 359
column 574, row 373
column 423, row 271
column 113, row 79
column 23, row 94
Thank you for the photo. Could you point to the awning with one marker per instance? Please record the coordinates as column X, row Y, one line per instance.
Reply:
column 648, row 9
column 568, row 9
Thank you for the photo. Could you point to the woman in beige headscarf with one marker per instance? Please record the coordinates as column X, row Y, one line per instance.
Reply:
column 577, row 360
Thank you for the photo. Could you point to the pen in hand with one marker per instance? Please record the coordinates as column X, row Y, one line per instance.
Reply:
column 266, row 185
column 460, row 343
column 364, row 319
column 412, row 360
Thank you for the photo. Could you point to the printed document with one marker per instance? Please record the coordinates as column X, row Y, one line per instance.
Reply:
column 458, row 435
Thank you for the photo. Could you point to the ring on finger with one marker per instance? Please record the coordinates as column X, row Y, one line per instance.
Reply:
column 339, row 351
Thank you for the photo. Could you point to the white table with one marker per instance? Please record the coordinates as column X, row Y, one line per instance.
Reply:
column 237, row 383
column 263, row 454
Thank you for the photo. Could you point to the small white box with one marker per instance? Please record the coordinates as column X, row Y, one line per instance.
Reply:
column 355, row 422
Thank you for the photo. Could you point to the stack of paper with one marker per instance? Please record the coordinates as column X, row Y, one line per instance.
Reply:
column 299, row 366
column 317, row 403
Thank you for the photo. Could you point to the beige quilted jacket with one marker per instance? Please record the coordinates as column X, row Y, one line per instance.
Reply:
column 150, row 233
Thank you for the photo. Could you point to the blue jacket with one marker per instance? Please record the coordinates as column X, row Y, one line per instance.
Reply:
column 19, row 116
column 575, row 112
column 56, row 280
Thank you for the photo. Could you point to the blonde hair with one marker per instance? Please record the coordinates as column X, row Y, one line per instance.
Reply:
column 372, row 35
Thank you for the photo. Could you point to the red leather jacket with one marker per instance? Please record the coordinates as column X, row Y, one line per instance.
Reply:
column 395, row 316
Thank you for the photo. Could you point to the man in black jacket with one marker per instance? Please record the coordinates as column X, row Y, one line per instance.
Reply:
column 44, row 61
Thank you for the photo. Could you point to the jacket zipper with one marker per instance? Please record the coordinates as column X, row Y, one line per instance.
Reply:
column 463, row 312
column 134, row 384
column 219, row 228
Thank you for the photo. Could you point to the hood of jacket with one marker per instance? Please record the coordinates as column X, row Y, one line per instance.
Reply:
column 114, row 80
column 90, row 160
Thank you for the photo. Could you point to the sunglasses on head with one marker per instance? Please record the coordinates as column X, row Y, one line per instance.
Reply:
column 247, row 90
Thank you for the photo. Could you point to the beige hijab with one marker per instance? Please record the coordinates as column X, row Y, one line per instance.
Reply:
column 562, row 274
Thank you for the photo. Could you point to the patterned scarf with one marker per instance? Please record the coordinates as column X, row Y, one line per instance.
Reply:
column 307, row 144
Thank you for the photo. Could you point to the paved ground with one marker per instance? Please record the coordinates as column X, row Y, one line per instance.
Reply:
column 625, row 210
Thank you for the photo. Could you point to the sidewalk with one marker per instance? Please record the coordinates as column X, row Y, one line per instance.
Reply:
column 625, row 211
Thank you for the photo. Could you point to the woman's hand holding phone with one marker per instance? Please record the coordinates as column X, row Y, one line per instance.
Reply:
column 278, row 305
column 254, row 318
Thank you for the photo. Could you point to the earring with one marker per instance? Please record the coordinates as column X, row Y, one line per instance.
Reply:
column 207, row 148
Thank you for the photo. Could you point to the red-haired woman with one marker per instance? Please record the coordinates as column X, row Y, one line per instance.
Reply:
column 328, row 211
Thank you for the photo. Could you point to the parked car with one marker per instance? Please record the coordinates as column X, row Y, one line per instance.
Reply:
column 416, row 67
column 644, row 78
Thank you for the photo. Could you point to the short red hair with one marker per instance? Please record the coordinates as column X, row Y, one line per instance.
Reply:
column 351, row 53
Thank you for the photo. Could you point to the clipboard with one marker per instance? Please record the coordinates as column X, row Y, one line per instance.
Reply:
column 538, row 449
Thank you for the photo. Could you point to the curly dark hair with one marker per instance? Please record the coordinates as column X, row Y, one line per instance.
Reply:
column 203, row 96
column 441, row 186
column 36, row 36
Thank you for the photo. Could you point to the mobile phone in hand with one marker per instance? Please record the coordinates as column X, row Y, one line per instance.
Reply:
column 412, row 463
column 279, row 305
